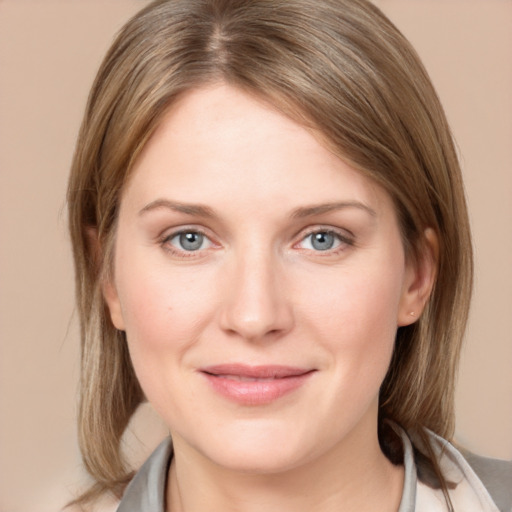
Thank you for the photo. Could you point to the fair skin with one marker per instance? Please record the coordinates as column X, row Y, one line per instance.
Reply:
column 244, row 246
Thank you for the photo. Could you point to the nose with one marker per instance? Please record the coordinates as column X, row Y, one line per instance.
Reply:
column 256, row 306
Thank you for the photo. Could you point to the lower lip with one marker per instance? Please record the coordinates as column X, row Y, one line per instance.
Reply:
column 258, row 392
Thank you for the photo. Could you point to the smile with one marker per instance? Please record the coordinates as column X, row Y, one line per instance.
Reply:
column 255, row 385
column 242, row 378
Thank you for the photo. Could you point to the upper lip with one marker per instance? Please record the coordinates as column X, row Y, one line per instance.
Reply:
column 255, row 372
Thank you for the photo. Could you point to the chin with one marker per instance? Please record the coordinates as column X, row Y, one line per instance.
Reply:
column 267, row 461
column 257, row 449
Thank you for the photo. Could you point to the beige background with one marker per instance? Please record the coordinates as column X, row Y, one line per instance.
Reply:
column 49, row 51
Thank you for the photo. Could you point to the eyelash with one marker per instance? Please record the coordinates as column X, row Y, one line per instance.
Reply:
column 165, row 242
column 343, row 239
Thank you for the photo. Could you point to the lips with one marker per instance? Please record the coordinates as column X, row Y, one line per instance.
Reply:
column 255, row 385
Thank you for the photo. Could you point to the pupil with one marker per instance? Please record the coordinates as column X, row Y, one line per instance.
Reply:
column 323, row 241
column 191, row 241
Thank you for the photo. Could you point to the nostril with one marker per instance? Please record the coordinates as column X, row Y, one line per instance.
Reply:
column 254, row 306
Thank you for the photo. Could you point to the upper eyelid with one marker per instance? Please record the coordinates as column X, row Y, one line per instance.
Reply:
column 170, row 233
column 343, row 233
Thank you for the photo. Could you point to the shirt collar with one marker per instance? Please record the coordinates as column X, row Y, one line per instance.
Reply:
column 146, row 492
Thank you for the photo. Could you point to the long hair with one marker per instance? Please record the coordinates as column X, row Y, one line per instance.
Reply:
column 339, row 66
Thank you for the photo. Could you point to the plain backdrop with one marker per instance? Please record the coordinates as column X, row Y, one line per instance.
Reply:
column 49, row 52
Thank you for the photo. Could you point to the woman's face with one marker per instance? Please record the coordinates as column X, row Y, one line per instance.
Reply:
column 260, row 281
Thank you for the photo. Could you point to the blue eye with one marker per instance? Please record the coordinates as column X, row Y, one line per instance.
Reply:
column 324, row 240
column 189, row 241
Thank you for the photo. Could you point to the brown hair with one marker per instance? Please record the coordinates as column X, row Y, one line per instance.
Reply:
column 339, row 66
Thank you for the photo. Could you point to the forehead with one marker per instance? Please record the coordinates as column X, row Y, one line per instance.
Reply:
column 218, row 143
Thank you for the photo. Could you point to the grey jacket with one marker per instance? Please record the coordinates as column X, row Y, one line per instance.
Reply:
column 146, row 492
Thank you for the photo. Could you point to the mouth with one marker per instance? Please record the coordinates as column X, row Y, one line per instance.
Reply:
column 255, row 385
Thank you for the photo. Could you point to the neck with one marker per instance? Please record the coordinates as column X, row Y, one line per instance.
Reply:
column 353, row 476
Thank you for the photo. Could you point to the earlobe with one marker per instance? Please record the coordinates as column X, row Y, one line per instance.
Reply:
column 108, row 289
column 419, row 280
column 114, row 305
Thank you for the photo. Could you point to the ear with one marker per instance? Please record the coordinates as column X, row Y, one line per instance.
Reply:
column 420, row 276
column 113, row 303
column 108, row 288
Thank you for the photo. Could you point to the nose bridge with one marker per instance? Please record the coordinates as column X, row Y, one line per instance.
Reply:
column 256, row 304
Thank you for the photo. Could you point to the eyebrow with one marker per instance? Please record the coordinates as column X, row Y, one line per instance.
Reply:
column 310, row 211
column 189, row 209
column 298, row 213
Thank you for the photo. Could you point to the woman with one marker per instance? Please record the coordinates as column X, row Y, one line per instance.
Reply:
column 272, row 247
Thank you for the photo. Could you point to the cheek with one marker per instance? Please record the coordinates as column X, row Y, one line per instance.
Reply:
column 355, row 316
column 354, row 301
column 164, row 309
column 165, row 313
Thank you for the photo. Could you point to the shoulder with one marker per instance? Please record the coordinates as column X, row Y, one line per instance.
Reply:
column 474, row 482
column 496, row 475
column 146, row 492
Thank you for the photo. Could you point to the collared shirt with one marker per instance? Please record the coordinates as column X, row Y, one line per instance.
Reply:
column 146, row 492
